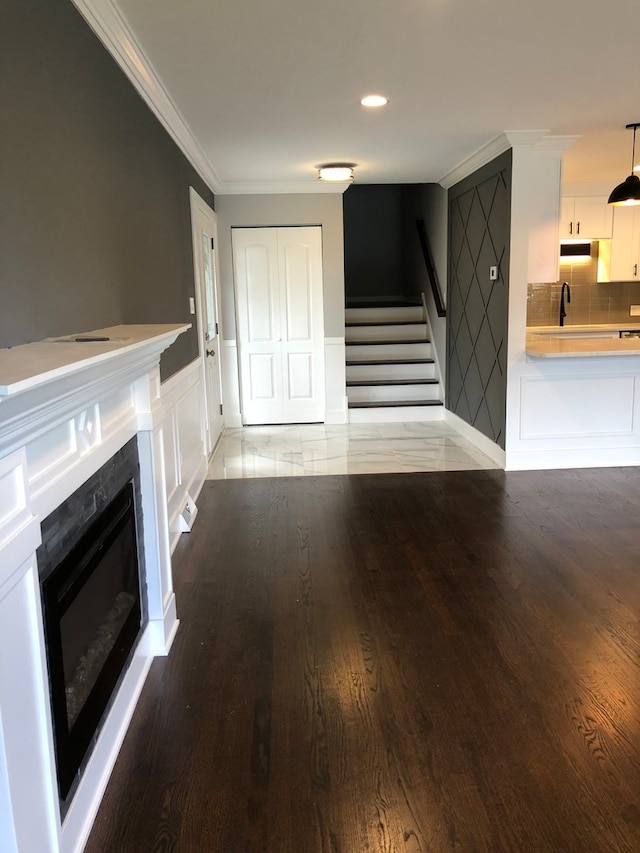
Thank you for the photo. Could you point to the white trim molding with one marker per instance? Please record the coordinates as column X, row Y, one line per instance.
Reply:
column 108, row 24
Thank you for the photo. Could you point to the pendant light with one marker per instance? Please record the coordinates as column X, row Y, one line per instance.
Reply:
column 628, row 192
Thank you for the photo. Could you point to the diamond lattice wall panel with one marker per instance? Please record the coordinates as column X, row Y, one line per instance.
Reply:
column 477, row 312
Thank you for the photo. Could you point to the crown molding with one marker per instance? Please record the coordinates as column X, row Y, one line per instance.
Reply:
column 532, row 139
column 111, row 28
column 312, row 187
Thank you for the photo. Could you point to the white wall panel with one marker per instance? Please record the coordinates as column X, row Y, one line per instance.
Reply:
column 574, row 406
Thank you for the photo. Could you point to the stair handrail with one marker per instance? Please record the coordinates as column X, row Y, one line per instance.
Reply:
column 431, row 270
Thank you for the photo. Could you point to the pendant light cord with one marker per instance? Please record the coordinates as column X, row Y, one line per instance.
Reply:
column 633, row 149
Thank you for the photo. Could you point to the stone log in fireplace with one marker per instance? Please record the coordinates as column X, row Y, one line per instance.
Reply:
column 68, row 409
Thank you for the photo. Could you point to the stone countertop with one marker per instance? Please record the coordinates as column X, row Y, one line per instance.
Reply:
column 581, row 341
column 29, row 365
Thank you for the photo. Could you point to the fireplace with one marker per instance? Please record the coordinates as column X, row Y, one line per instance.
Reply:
column 82, row 443
column 89, row 565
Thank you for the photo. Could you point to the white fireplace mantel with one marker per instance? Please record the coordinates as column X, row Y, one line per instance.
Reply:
column 66, row 407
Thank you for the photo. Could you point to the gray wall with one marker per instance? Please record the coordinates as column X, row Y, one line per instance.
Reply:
column 382, row 255
column 373, row 242
column 477, row 308
column 265, row 210
column 94, row 202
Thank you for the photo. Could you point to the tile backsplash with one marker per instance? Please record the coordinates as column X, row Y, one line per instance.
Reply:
column 591, row 303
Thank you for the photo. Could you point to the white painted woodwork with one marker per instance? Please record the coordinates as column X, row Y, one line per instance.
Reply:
column 387, row 350
column 399, row 414
column 625, row 245
column 184, row 450
column 65, row 409
column 399, row 313
column 421, row 370
column 205, row 263
column 405, row 384
column 278, row 277
column 585, row 218
column 387, row 393
column 391, row 333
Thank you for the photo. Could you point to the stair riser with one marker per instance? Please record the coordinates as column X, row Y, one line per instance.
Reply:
column 384, row 315
column 390, row 371
column 396, row 415
column 410, row 332
column 382, row 351
column 383, row 393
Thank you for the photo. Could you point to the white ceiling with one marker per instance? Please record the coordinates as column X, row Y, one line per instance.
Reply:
column 269, row 89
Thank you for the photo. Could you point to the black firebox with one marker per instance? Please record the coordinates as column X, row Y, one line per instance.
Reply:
column 92, row 618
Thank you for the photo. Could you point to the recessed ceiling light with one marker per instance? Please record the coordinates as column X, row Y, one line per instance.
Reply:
column 374, row 101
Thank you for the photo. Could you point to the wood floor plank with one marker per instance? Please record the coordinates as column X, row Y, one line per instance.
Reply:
column 395, row 664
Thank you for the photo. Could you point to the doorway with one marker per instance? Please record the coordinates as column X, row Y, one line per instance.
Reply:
column 205, row 242
column 280, row 323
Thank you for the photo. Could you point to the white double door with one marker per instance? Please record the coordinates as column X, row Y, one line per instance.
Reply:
column 279, row 306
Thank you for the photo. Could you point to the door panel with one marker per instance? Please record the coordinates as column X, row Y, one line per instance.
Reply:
column 300, row 254
column 203, row 223
column 278, row 274
column 296, row 288
column 261, row 294
column 300, row 376
column 262, row 377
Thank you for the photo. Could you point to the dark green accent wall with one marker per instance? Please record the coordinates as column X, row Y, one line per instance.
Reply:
column 477, row 308
column 94, row 194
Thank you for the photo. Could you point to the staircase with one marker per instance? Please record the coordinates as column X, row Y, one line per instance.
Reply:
column 391, row 374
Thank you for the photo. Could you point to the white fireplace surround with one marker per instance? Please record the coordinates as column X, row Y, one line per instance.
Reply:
column 65, row 408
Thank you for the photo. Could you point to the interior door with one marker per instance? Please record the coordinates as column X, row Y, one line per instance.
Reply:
column 278, row 274
column 205, row 264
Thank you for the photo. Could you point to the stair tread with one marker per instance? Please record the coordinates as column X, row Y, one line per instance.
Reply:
column 351, row 383
column 351, row 362
column 400, row 303
column 394, row 341
column 379, row 404
column 362, row 323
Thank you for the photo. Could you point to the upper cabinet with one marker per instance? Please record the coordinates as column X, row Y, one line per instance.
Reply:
column 585, row 218
column 625, row 246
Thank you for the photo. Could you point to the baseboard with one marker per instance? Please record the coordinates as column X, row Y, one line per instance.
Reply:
column 477, row 438
column 589, row 457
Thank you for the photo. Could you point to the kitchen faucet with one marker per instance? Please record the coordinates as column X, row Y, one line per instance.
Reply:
column 563, row 313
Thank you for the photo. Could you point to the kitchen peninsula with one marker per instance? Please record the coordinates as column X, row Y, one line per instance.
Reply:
column 574, row 398
column 582, row 341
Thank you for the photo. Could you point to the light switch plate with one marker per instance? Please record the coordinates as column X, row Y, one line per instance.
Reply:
column 634, row 310
column 493, row 273
column 192, row 305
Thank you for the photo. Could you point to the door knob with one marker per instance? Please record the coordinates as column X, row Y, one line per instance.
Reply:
column 211, row 352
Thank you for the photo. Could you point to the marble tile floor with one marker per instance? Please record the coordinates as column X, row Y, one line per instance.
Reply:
column 301, row 450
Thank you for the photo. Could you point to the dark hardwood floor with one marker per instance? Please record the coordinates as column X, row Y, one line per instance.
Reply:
column 376, row 664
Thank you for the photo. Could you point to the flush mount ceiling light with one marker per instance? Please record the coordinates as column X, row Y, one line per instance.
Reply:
column 374, row 101
column 628, row 192
column 336, row 172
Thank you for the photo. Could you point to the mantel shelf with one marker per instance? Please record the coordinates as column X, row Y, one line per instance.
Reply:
column 32, row 365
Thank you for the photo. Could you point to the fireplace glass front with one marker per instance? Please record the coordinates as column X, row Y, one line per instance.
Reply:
column 92, row 617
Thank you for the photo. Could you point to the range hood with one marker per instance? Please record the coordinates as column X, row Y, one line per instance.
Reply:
column 575, row 250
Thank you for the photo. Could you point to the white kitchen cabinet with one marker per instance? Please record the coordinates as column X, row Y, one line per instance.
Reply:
column 585, row 217
column 625, row 245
